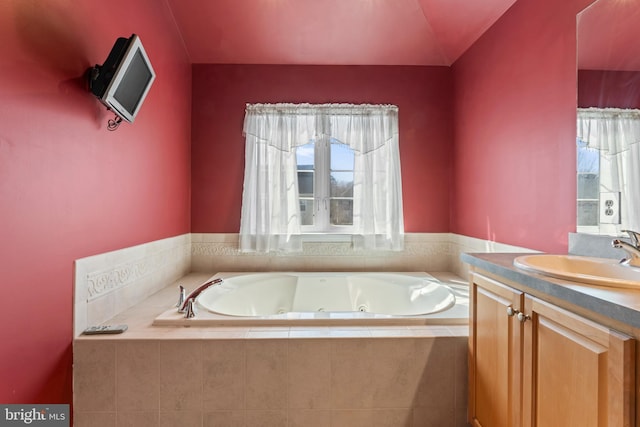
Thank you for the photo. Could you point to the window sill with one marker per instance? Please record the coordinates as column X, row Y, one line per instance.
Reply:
column 326, row 237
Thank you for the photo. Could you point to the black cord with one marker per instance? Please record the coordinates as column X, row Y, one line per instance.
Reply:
column 113, row 124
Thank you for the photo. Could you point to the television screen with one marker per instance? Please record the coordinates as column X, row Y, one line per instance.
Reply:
column 123, row 81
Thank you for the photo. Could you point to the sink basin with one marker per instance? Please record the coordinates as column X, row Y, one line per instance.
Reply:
column 596, row 271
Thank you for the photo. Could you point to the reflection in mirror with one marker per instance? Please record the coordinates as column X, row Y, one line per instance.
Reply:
column 608, row 169
column 608, row 145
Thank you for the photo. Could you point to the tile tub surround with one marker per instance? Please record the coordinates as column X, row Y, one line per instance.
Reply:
column 106, row 284
column 271, row 382
column 325, row 376
column 281, row 376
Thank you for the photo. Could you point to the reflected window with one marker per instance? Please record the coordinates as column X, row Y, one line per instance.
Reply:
column 588, row 182
column 608, row 183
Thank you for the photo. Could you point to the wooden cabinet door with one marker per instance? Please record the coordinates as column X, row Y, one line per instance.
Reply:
column 575, row 372
column 495, row 351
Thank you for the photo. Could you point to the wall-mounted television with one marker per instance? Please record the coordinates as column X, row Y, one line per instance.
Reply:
column 124, row 79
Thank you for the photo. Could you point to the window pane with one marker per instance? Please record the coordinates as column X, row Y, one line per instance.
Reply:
column 306, row 211
column 341, row 184
column 588, row 186
column 305, row 156
column 341, row 157
column 341, row 212
column 588, row 158
column 305, row 183
column 587, row 212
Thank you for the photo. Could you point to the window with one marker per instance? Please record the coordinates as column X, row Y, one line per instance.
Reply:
column 332, row 168
column 325, row 186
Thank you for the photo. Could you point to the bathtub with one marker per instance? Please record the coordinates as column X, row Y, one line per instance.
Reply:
column 319, row 298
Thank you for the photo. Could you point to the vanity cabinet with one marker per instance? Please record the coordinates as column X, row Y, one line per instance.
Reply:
column 534, row 364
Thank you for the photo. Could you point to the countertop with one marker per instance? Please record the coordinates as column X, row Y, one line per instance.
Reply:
column 620, row 305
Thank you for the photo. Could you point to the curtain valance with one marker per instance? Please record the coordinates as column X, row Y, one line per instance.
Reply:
column 612, row 130
column 363, row 127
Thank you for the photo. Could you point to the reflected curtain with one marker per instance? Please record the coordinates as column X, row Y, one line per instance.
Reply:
column 270, row 207
column 616, row 134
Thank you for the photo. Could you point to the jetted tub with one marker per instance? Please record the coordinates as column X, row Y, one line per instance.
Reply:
column 290, row 298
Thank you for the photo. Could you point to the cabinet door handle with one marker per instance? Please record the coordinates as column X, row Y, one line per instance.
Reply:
column 523, row 317
column 511, row 311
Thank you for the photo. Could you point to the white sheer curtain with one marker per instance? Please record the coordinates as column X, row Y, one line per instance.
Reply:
column 270, row 206
column 616, row 133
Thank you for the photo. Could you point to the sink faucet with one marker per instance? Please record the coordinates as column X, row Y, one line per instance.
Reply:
column 632, row 249
column 188, row 305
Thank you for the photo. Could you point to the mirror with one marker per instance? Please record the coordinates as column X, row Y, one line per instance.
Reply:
column 608, row 78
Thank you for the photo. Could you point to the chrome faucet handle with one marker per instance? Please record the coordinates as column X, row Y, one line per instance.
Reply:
column 181, row 298
column 191, row 311
column 634, row 236
column 633, row 252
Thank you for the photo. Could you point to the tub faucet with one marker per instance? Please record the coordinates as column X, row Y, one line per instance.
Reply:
column 632, row 249
column 189, row 303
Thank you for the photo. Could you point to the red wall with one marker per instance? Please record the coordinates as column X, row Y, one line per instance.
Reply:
column 68, row 187
column 515, row 128
column 220, row 92
column 604, row 88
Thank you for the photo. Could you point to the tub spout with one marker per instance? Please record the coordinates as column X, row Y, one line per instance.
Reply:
column 190, row 311
column 632, row 249
column 190, row 300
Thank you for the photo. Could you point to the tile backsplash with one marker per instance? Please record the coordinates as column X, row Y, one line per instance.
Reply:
column 594, row 245
column 422, row 252
column 106, row 284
